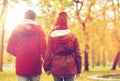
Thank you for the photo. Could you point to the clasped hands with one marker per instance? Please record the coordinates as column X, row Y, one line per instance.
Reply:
column 48, row 73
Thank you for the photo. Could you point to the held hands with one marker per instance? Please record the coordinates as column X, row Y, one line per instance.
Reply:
column 48, row 72
column 78, row 75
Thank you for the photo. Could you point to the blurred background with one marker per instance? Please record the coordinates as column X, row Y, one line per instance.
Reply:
column 95, row 22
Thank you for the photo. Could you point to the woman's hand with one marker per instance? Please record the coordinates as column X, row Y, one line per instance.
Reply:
column 48, row 72
column 78, row 75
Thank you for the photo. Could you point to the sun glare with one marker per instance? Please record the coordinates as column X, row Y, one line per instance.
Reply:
column 34, row 1
column 12, row 20
column 15, row 17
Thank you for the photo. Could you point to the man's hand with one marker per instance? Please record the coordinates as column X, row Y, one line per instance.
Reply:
column 78, row 75
column 48, row 72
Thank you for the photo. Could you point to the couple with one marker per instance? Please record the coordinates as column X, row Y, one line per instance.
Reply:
column 61, row 56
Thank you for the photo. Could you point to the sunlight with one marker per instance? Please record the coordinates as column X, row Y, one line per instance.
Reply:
column 13, row 18
column 34, row 1
column 17, row 15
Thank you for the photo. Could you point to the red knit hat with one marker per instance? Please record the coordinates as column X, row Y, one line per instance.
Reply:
column 61, row 22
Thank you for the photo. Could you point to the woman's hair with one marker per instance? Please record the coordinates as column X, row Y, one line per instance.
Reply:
column 30, row 15
column 61, row 22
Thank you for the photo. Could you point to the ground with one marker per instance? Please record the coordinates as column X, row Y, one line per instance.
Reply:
column 8, row 74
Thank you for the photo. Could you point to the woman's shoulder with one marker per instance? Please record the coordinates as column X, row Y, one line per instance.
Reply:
column 57, row 33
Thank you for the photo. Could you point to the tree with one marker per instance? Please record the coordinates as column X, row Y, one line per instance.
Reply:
column 83, row 25
column 2, row 17
column 116, row 18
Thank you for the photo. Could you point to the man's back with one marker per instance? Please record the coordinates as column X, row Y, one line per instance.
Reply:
column 27, row 43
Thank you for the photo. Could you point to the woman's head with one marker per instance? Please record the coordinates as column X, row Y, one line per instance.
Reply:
column 30, row 15
column 61, row 22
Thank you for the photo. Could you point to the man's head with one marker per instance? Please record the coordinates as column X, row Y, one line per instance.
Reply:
column 30, row 15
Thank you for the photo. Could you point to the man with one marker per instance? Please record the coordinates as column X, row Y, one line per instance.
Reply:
column 27, row 43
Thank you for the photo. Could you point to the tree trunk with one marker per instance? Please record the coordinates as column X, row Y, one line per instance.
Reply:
column 104, row 59
column 116, row 60
column 93, row 56
column 98, row 61
column 103, row 55
column 3, row 16
column 86, row 58
column 83, row 24
column 86, row 52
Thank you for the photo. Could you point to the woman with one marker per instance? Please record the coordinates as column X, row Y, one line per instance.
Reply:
column 62, row 57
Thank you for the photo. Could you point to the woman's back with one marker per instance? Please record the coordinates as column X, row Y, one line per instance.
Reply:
column 63, row 62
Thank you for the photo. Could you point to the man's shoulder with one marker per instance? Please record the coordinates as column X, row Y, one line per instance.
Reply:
column 28, row 21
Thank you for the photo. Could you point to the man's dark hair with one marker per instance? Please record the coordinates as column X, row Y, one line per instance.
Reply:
column 30, row 15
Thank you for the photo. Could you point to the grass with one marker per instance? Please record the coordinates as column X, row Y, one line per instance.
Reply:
column 9, row 74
